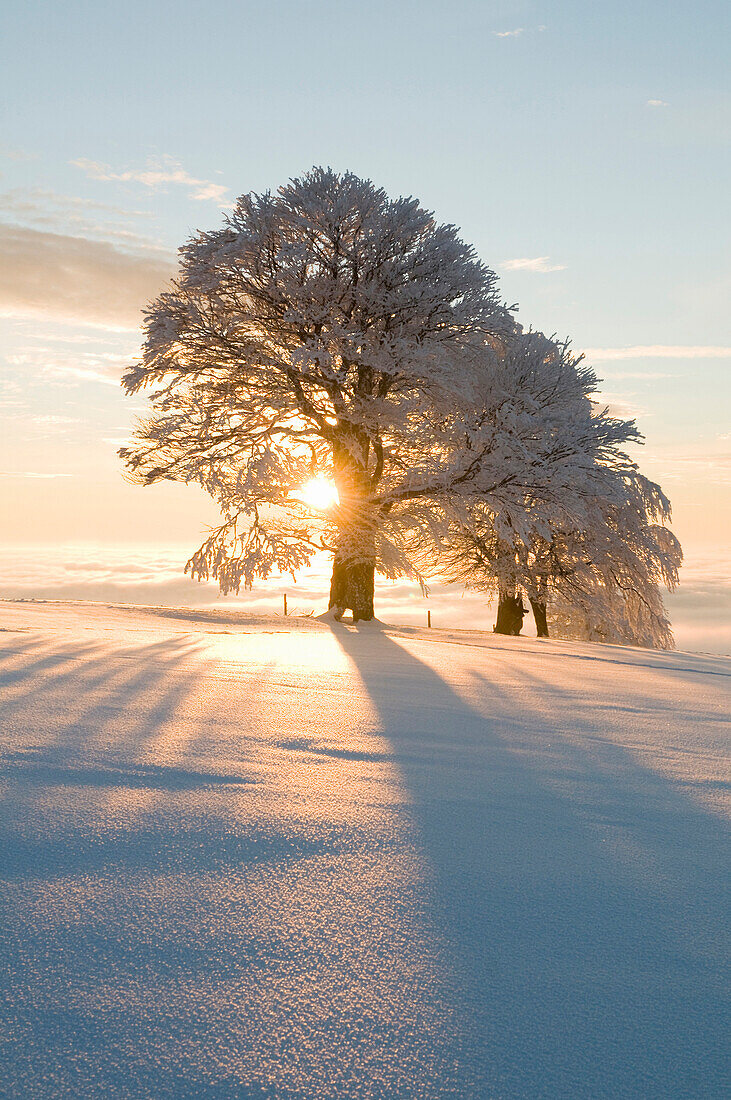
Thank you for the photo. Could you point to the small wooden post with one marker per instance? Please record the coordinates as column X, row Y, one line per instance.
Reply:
column 285, row 605
column 428, row 617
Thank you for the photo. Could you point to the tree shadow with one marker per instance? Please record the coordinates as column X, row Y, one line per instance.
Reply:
column 580, row 894
column 564, row 944
column 88, row 693
column 160, row 936
column 45, row 769
column 152, row 850
column 96, row 717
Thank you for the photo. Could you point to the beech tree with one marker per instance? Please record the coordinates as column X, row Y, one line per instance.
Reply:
column 600, row 581
column 329, row 332
column 323, row 330
column 578, row 505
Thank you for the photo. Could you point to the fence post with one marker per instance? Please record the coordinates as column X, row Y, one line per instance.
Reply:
column 285, row 605
column 428, row 617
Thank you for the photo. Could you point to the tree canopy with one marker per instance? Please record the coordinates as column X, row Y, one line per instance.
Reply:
column 330, row 331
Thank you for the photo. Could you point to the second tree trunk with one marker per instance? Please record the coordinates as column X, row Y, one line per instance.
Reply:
column 539, row 614
column 510, row 612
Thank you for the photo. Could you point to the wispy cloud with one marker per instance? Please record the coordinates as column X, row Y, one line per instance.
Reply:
column 26, row 473
column 69, row 334
column 641, row 375
column 54, row 421
column 711, row 470
column 619, row 406
column 83, row 374
column 37, row 200
column 46, row 209
column 540, row 264
column 54, row 275
column 17, row 154
column 157, row 173
column 657, row 103
column 660, row 351
column 56, row 366
column 518, row 31
column 707, row 461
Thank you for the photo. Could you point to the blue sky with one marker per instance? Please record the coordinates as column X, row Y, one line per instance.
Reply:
column 583, row 149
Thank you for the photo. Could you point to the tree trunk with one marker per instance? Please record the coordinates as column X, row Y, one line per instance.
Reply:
column 510, row 612
column 352, row 586
column 354, row 564
column 539, row 614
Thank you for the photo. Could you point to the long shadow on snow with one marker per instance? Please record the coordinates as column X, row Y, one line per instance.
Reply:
column 583, row 967
column 37, row 769
column 205, row 849
column 115, row 707
column 82, row 716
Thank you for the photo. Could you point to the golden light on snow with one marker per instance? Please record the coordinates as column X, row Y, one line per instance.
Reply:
column 319, row 493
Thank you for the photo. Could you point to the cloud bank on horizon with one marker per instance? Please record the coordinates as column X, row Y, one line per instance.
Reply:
column 153, row 575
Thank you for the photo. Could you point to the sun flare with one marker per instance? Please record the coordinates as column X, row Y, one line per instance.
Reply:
column 319, row 493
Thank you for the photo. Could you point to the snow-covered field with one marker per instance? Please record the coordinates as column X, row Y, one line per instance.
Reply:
column 267, row 858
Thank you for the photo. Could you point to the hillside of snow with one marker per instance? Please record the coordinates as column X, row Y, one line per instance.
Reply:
column 282, row 859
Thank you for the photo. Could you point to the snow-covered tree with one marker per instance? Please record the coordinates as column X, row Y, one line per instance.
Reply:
column 598, row 581
column 582, row 518
column 605, row 583
column 325, row 330
column 328, row 332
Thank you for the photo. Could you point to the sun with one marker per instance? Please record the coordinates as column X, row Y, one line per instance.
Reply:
column 319, row 494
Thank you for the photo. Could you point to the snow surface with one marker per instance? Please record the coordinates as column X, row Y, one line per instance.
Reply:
column 280, row 858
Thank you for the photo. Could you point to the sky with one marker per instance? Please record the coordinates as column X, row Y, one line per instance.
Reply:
column 583, row 150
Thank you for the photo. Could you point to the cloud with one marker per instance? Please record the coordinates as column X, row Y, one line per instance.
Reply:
column 67, row 333
column 516, row 33
column 700, row 608
column 17, row 154
column 660, row 351
column 58, row 366
column 25, row 473
column 54, row 275
column 49, row 210
column 618, row 406
column 642, row 376
column 82, row 374
column 38, row 200
column 711, row 468
column 157, row 173
column 657, row 103
column 536, row 263
column 53, row 421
